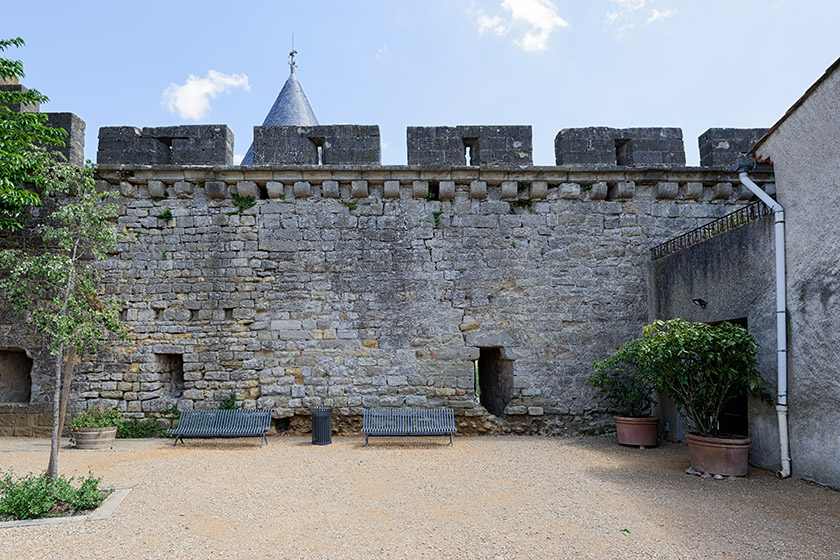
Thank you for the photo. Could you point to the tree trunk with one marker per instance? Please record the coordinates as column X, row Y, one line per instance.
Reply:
column 69, row 365
column 55, row 440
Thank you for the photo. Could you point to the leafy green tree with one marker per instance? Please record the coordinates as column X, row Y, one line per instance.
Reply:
column 24, row 138
column 49, row 271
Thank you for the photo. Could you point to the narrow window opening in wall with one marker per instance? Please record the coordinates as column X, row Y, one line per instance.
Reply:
column 319, row 150
column 15, row 376
column 471, row 151
column 171, row 369
column 494, row 380
column 193, row 315
column 263, row 192
column 434, row 190
column 734, row 418
column 228, row 313
column 622, row 152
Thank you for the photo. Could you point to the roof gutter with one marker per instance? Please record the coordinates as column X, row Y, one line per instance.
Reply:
column 781, row 314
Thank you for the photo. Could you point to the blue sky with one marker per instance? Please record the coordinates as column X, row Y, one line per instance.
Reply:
column 553, row 64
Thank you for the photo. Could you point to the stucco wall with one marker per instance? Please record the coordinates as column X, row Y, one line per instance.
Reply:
column 734, row 274
column 805, row 150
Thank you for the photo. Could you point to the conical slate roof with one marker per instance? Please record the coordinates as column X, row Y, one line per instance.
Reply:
column 291, row 108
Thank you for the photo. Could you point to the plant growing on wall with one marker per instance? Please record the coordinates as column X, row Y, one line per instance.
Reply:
column 55, row 281
column 24, row 158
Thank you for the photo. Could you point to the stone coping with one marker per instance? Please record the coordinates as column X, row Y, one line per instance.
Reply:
column 108, row 507
column 380, row 173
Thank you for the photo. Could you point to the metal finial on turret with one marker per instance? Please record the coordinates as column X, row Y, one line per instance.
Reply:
column 292, row 60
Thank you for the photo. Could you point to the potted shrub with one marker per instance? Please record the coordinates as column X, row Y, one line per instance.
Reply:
column 702, row 367
column 621, row 380
column 96, row 427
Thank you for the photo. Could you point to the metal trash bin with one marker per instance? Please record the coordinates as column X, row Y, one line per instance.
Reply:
column 321, row 424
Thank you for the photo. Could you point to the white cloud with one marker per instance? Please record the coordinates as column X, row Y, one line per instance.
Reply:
column 656, row 15
column 630, row 13
column 383, row 52
column 536, row 20
column 191, row 101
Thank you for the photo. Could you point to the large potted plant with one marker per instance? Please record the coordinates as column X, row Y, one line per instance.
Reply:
column 96, row 427
column 620, row 379
column 703, row 367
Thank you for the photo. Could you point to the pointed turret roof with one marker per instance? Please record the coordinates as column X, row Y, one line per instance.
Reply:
column 291, row 108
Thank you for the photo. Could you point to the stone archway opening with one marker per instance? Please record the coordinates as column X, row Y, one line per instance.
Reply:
column 15, row 376
column 494, row 380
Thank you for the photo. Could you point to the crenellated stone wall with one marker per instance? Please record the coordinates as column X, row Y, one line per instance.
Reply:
column 380, row 286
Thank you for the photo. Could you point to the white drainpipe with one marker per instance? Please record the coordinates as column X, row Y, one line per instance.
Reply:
column 781, row 306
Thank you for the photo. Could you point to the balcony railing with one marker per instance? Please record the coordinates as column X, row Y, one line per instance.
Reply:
column 730, row 221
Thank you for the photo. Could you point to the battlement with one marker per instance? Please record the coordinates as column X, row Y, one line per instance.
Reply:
column 180, row 145
column 619, row 146
column 721, row 147
column 469, row 145
column 314, row 145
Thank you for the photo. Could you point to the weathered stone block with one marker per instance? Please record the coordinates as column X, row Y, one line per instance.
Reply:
column 420, row 189
column 391, row 189
column 478, row 190
column 667, row 191
column 446, row 190
column 302, row 189
column 722, row 191
column 247, row 188
column 275, row 189
column 330, row 189
column 157, row 189
column 539, row 190
column 183, row 189
column 359, row 189
column 216, row 189
column 508, row 190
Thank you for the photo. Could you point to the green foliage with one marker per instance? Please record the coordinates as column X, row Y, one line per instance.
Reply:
column 522, row 186
column 700, row 367
column 33, row 497
column 97, row 416
column 587, row 187
column 25, row 163
column 437, row 214
column 242, row 203
column 229, row 403
column 620, row 378
column 56, row 280
column 148, row 427
column 350, row 205
column 166, row 215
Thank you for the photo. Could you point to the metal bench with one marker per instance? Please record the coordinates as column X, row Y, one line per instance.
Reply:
column 222, row 423
column 409, row 422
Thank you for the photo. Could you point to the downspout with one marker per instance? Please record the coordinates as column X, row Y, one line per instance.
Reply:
column 781, row 306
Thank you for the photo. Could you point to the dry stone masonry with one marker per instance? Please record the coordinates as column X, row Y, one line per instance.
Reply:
column 488, row 288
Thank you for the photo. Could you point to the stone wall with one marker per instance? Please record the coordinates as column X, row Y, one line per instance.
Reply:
column 379, row 286
column 724, row 147
column 210, row 144
column 619, row 146
column 469, row 145
column 317, row 145
column 733, row 273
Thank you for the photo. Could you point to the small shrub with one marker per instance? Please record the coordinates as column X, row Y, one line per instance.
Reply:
column 97, row 416
column 242, row 203
column 34, row 497
column 134, row 428
column 166, row 215
column 229, row 403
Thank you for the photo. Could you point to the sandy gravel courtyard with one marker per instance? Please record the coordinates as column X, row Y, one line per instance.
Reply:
column 487, row 497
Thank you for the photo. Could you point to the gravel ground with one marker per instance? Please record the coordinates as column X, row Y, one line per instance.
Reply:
column 488, row 497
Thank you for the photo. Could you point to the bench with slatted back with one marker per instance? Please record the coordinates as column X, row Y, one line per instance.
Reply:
column 222, row 423
column 409, row 422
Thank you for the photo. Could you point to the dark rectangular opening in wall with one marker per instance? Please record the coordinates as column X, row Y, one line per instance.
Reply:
column 495, row 380
column 622, row 152
column 228, row 313
column 319, row 144
column 15, row 376
column 471, row 151
column 434, row 190
column 171, row 369
column 734, row 418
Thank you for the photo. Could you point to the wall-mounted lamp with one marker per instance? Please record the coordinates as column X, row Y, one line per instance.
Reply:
column 701, row 302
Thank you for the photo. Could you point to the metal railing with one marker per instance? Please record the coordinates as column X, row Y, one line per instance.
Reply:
column 730, row 221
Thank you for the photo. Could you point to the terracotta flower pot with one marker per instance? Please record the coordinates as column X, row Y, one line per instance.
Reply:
column 726, row 455
column 94, row 438
column 638, row 432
